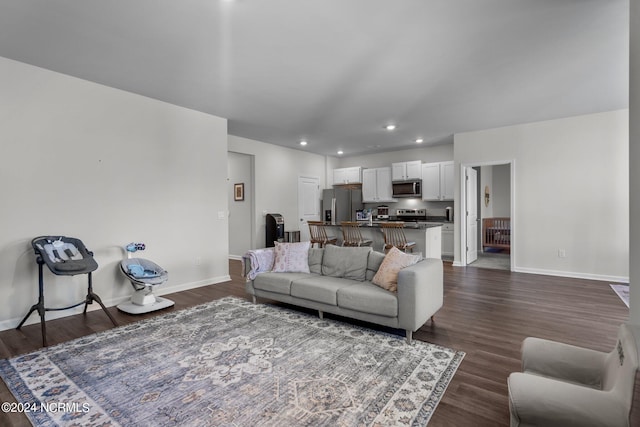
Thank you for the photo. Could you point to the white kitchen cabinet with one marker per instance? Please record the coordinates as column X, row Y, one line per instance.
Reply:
column 383, row 185
column 403, row 171
column 369, row 185
column 350, row 175
column 447, row 180
column 447, row 239
column 376, row 185
column 431, row 181
column 438, row 181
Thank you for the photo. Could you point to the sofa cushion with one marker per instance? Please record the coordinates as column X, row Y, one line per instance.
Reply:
column 348, row 263
column 373, row 264
column 315, row 260
column 368, row 298
column 394, row 261
column 291, row 257
column 320, row 288
column 277, row 282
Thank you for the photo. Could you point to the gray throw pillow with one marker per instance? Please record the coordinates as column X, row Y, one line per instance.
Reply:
column 347, row 262
column 315, row 260
column 373, row 264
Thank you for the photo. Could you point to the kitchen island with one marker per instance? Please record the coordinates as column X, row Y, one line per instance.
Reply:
column 428, row 237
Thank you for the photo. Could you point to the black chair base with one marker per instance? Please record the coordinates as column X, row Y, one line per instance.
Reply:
column 40, row 306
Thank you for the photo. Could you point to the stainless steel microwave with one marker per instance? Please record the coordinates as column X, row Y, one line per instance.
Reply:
column 407, row 188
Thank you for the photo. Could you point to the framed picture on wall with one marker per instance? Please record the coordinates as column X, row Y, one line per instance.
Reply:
column 238, row 192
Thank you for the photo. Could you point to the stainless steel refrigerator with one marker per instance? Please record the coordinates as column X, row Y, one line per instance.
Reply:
column 340, row 204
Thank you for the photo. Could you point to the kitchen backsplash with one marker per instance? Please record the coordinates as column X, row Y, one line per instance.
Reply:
column 433, row 208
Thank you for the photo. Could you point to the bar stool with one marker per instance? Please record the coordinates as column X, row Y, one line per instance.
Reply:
column 318, row 232
column 394, row 236
column 351, row 235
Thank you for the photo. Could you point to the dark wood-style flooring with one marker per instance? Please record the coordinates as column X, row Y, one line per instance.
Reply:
column 486, row 313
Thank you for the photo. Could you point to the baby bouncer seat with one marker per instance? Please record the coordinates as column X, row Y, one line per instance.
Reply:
column 64, row 256
column 144, row 275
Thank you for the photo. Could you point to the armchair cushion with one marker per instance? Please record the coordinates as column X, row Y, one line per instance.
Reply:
column 541, row 401
column 564, row 385
column 563, row 361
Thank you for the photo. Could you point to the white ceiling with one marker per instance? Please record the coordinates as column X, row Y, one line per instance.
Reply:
column 335, row 71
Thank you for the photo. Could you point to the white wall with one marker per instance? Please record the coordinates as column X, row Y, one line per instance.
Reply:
column 501, row 191
column 571, row 191
column 108, row 167
column 634, row 161
column 486, row 179
column 331, row 163
column 427, row 154
column 240, row 211
column 276, row 174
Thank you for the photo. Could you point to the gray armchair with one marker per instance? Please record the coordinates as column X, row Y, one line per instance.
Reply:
column 565, row 385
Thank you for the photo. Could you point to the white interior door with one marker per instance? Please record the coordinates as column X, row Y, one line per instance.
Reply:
column 308, row 203
column 471, row 191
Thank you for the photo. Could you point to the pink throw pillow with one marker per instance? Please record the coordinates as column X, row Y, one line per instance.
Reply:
column 291, row 257
column 387, row 275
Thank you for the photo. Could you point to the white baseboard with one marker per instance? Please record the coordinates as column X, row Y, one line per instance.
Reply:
column 573, row 274
column 560, row 273
column 193, row 285
column 162, row 290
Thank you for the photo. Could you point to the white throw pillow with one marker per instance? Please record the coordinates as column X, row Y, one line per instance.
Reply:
column 291, row 257
column 394, row 261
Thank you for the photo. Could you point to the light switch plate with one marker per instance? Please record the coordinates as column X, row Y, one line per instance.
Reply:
column 221, row 215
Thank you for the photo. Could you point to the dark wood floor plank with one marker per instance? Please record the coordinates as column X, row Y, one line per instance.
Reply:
column 486, row 313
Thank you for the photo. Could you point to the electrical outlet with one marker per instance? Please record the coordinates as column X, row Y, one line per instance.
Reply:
column 562, row 253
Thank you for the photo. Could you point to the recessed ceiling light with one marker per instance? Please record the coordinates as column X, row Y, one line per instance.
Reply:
column 390, row 127
column 419, row 140
column 303, row 143
column 340, row 152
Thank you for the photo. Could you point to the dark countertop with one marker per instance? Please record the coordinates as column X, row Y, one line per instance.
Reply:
column 409, row 225
column 438, row 219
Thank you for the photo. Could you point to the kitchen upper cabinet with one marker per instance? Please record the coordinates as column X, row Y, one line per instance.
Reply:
column 406, row 170
column 350, row 175
column 383, row 185
column 431, row 181
column 376, row 185
column 438, row 181
column 447, row 180
column 369, row 185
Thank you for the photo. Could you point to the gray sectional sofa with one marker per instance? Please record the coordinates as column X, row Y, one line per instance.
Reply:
column 339, row 282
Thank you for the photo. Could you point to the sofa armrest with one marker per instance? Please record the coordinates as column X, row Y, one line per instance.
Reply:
column 420, row 293
column 540, row 401
column 563, row 361
column 256, row 261
column 246, row 265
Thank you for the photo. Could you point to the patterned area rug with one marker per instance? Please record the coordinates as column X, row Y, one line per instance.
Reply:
column 233, row 363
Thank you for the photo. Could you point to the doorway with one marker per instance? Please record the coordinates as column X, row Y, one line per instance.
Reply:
column 308, row 203
column 487, row 215
column 240, row 201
